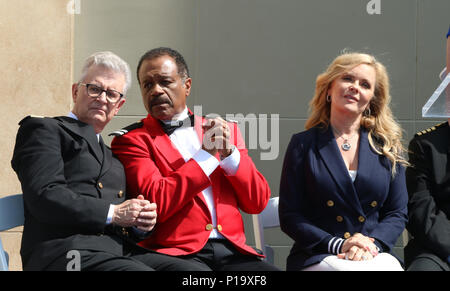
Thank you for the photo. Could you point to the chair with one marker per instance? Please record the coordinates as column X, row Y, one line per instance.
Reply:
column 11, row 215
column 399, row 247
column 268, row 218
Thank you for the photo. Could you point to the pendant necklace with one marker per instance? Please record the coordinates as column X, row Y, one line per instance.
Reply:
column 346, row 146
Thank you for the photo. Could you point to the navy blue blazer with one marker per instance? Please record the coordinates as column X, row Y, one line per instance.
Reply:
column 319, row 203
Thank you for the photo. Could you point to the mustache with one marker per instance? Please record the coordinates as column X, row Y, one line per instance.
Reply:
column 160, row 100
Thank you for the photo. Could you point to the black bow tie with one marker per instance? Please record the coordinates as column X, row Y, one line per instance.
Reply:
column 170, row 127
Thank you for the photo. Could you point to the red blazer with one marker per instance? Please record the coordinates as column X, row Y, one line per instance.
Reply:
column 156, row 169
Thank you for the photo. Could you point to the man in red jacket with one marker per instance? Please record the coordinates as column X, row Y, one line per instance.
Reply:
column 197, row 171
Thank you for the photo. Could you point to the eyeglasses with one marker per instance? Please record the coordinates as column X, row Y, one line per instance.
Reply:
column 94, row 91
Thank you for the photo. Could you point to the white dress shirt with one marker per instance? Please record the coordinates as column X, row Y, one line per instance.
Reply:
column 187, row 142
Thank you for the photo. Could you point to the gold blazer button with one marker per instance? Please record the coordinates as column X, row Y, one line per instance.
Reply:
column 374, row 204
column 100, row 185
column 347, row 235
column 361, row 219
column 120, row 195
column 209, row 227
column 219, row 227
column 339, row 218
column 330, row 203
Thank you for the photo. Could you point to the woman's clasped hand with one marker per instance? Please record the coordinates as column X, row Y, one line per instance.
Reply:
column 358, row 248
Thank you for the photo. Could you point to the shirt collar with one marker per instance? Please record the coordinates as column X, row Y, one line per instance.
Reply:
column 181, row 116
column 72, row 115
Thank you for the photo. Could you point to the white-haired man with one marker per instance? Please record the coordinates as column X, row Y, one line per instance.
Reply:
column 76, row 215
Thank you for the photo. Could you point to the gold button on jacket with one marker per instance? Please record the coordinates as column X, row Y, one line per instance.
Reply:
column 209, row 227
column 339, row 218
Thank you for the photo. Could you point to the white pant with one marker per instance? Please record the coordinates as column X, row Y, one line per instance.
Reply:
column 382, row 262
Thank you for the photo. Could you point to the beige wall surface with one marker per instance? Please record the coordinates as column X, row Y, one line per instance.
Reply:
column 246, row 56
column 36, row 66
column 262, row 57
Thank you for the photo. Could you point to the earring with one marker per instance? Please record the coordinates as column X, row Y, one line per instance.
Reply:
column 329, row 99
column 367, row 112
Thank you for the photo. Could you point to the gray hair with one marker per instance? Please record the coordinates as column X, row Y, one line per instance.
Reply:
column 110, row 61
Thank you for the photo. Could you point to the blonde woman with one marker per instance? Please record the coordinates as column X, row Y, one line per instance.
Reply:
column 343, row 197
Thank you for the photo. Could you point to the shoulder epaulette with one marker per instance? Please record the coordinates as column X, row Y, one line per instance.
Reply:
column 433, row 128
column 29, row 116
column 127, row 129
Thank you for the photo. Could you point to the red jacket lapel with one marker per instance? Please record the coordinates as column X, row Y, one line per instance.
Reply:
column 163, row 143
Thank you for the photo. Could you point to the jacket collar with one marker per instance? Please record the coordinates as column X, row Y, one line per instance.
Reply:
column 332, row 158
column 101, row 153
column 170, row 153
column 163, row 142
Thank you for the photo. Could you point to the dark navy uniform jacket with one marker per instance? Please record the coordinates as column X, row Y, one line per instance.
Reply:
column 319, row 202
column 69, row 180
column 428, row 182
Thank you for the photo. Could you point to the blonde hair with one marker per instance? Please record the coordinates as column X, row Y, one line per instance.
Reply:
column 385, row 134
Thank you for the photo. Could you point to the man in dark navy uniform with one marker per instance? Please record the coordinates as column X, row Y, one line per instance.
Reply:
column 428, row 182
column 74, row 188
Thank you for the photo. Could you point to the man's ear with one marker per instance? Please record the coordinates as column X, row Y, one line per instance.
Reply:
column 187, row 85
column 119, row 105
column 74, row 92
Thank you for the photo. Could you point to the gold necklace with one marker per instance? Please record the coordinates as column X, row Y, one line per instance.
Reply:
column 346, row 146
